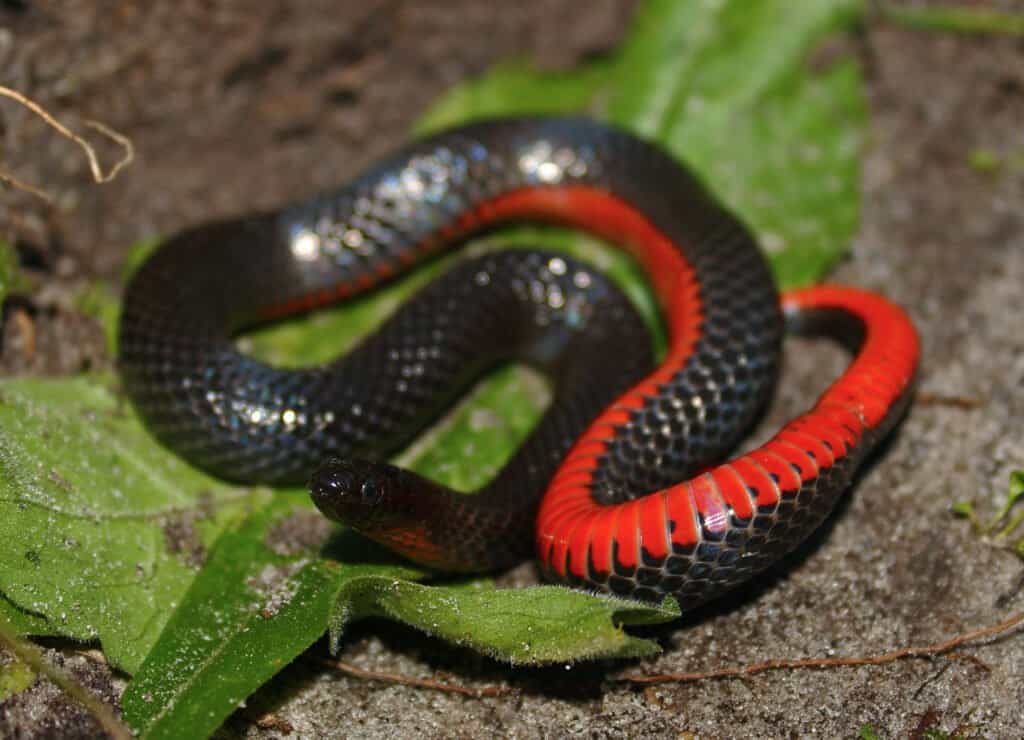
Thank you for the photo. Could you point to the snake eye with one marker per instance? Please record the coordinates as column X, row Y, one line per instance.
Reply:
column 370, row 492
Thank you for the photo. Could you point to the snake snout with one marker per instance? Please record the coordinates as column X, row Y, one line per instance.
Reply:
column 336, row 487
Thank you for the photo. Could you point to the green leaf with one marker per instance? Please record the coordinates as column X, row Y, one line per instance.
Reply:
column 1016, row 490
column 15, row 677
column 1014, row 496
column 100, row 529
column 137, row 254
column 1005, row 523
column 956, row 20
column 728, row 88
column 984, row 161
column 98, row 301
column 11, row 278
column 777, row 142
column 966, row 510
column 529, row 626
column 251, row 610
column 516, row 87
column 224, row 641
column 24, row 622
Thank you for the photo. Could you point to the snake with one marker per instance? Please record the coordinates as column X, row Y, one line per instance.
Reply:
column 630, row 482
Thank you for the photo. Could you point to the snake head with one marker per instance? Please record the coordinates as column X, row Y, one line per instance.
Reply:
column 355, row 492
column 395, row 507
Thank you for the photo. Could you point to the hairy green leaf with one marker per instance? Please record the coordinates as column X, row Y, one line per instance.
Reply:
column 529, row 626
column 259, row 601
column 222, row 642
column 101, row 530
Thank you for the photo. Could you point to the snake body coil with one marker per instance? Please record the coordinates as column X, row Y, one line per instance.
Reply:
column 638, row 501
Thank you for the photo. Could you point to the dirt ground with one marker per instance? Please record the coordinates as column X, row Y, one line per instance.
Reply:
column 234, row 106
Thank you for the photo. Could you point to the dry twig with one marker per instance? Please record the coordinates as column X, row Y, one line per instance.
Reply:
column 98, row 175
column 21, row 185
column 774, row 665
column 925, row 398
column 423, row 683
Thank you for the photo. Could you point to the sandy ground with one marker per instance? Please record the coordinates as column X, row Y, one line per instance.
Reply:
column 241, row 125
